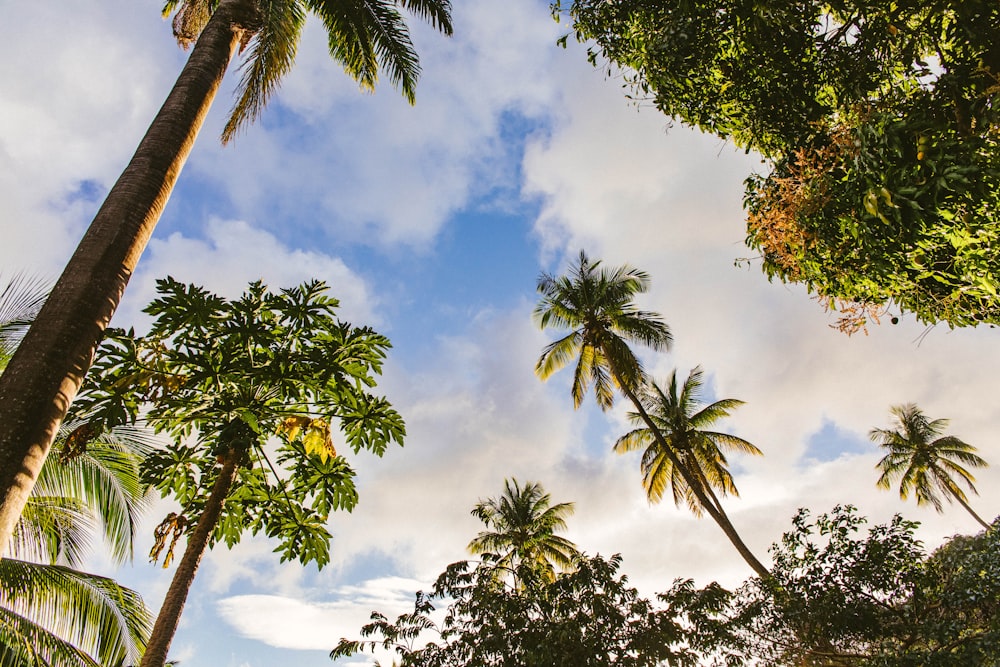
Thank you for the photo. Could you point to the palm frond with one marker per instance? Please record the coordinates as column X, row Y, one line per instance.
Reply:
column 99, row 486
column 53, row 529
column 270, row 56
column 51, row 607
column 557, row 355
column 21, row 297
column 680, row 419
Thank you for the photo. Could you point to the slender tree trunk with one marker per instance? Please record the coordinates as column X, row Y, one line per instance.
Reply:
column 714, row 510
column 173, row 604
column 968, row 509
column 48, row 367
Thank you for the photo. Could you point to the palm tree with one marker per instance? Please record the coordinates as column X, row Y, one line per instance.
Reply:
column 522, row 525
column 924, row 463
column 682, row 421
column 52, row 614
column 365, row 36
column 50, row 611
column 596, row 304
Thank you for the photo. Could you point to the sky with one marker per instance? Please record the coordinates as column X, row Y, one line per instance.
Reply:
column 432, row 224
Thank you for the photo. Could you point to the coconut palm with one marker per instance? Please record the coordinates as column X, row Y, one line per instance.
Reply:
column 596, row 304
column 51, row 614
column 683, row 421
column 924, row 463
column 50, row 611
column 522, row 523
column 365, row 36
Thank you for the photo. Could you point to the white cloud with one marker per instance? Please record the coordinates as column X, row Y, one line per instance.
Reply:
column 67, row 69
column 322, row 149
column 312, row 625
column 233, row 253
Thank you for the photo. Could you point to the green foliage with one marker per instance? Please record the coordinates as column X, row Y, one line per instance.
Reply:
column 48, row 612
column 586, row 617
column 596, row 304
column 878, row 120
column 21, row 297
column 842, row 598
column 51, row 614
column 365, row 37
column 681, row 419
column 924, row 463
column 522, row 524
column 272, row 378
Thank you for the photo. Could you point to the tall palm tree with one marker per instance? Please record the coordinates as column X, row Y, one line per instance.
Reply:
column 924, row 463
column 683, row 422
column 522, row 523
column 49, row 611
column 365, row 36
column 51, row 614
column 596, row 304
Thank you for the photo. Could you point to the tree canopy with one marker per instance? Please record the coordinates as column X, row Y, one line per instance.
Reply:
column 878, row 122
column 253, row 393
column 214, row 373
column 843, row 596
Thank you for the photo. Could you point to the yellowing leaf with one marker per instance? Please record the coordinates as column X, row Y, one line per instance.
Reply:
column 292, row 425
column 318, row 439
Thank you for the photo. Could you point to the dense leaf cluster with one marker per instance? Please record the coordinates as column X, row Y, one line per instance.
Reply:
column 838, row 596
column 586, row 617
column 841, row 598
column 878, row 119
column 272, row 378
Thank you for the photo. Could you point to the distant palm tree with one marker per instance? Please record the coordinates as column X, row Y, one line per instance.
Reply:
column 683, row 421
column 522, row 525
column 366, row 37
column 596, row 304
column 923, row 463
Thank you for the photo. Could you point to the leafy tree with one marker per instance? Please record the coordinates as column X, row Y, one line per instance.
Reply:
column 51, row 614
column 365, row 36
column 49, row 611
column 682, row 420
column 252, row 393
column 522, row 525
column 595, row 303
column 585, row 617
column 841, row 598
column 926, row 464
column 878, row 121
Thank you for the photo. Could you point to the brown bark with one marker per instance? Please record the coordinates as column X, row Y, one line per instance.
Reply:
column 714, row 510
column 48, row 367
column 173, row 604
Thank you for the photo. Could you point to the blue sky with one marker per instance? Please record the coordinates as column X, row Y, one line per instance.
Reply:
column 432, row 223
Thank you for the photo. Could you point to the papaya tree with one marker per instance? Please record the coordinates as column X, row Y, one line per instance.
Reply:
column 366, row 37
column 255, row 395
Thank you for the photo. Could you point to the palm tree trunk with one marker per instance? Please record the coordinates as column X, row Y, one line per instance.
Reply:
column 968, row 509
column 173, row 604
column 48, row 367
column 714, row 510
